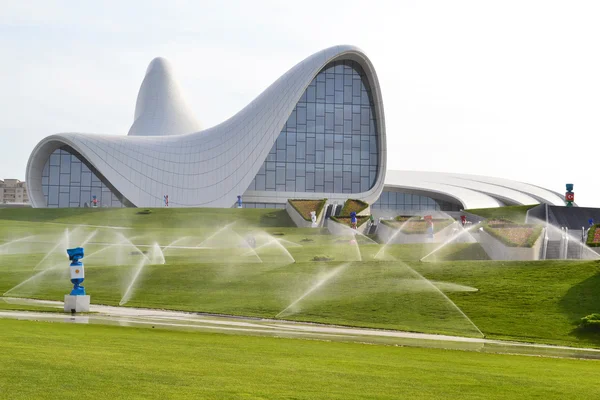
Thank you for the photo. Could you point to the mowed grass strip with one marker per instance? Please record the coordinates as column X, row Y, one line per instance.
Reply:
column 51, row 360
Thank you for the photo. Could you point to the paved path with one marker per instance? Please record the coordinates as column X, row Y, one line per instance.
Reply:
column 162, row 319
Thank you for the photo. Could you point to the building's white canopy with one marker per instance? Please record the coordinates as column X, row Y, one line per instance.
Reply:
column 166, row 152
column 163, row 155
column 472, row 191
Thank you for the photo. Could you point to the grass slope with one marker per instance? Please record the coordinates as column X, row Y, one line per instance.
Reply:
column 158, row 217
column 515, row 214
column 531, row 301
column 37, row 362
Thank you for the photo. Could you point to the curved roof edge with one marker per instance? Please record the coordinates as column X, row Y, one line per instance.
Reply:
column 472, row 191
column 208, row 168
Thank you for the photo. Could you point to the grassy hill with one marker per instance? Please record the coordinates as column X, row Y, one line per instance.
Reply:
column 210, row 268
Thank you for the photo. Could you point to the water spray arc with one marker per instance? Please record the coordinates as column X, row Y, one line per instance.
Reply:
column 452, row 238
column 5, row 245
column 174, row 242
column 156, row 257
column 328, row 276
column 437, row 289
column 381, row 251
column 90, row 237
column 62, row 243
column 129, row 290
column 202, row 244
column 32, row 278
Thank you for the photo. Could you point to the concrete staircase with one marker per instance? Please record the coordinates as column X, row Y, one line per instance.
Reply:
column 553, row 250
column 574, row 251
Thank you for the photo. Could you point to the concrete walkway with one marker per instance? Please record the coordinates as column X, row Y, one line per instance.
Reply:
column 176, row 320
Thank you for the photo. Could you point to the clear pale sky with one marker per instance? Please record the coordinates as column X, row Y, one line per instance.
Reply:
column 501, row 88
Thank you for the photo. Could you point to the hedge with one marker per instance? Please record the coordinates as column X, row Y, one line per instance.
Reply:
column 591, row 322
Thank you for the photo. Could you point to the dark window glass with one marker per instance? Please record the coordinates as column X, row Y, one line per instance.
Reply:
column 337, row 115
column 410, row 202
column 69, row 182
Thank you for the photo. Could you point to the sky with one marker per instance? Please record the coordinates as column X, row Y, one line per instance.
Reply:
column 508, row 89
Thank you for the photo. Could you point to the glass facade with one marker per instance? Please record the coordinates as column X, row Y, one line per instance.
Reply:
column 262, row 205
column 411, row 202
column 329, row 143
column 68, row 181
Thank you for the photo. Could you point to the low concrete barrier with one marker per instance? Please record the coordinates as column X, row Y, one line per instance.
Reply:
column 386, row 233
column 299, row 220
column 337, row 229
column 497, row 250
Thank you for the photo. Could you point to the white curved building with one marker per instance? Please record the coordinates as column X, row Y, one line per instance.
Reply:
column 317, row 132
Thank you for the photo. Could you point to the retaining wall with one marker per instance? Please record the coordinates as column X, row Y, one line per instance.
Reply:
column 299, row 220
column 497, row 250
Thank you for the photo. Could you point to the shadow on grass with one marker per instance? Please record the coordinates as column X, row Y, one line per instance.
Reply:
column 586, row 335
column 277, row 218
column 581, row 300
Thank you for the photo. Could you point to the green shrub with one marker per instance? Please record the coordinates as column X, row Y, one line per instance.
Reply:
column 591, row 322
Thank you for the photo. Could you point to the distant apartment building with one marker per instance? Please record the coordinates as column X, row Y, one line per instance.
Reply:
column 13, row 191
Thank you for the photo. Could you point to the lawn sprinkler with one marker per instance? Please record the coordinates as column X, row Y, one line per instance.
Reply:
column 77, row 300
column 77, row 272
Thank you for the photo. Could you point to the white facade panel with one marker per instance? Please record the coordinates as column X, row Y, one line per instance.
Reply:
column 226, row 157
column 166, row 152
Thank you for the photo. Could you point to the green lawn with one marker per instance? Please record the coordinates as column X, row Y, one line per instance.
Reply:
column 515, row 214
column 51, row 360
column 528, row 301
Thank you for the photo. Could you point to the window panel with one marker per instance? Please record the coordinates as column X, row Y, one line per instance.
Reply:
column 340, row 134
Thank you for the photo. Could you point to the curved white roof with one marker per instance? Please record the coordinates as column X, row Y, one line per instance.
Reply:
column 472, row 191
column 206, row 168
column 166, row 152
column 160, row 108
